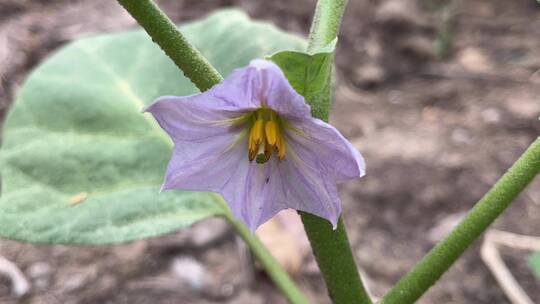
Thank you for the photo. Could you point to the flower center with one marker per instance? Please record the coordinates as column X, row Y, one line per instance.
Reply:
column 265, row 136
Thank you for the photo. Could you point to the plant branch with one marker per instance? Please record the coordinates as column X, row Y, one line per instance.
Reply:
column 444, row 254
column 335, row 259
column 326, row 23
column 331, row 247
column 166, row 34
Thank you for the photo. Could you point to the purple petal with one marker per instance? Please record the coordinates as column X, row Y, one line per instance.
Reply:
column 255, row 192
column 322, row 146
column 205, row 151
column 306, row 188
column 261, row 82
column 240, row 90
column 277, row 93
column 318, row 157
column 248, row 88
column 192, row 118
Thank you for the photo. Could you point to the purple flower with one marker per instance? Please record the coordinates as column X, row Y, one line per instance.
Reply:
column 252, row 139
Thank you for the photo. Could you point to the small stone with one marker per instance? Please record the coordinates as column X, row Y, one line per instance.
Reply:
column 209, row 231
column 461, row 136
column 77, row 278
column 40, row 273
column 396, row 97
column 74, row 282
column 400, row 12
column 39, row 270
column 369, row 76
column 474, row 60
column 525, row 106
column 491, row 115
column 190, row 271
column 419, row 47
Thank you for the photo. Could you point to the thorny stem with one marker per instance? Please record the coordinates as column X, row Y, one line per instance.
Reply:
column 444, row 254
column 331, row 247
column 165, row 33
column 205, row 76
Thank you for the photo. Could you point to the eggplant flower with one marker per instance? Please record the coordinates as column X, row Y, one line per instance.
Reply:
column 252, row 139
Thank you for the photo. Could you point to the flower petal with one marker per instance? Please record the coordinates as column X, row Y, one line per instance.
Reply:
column 240, row 90
column 257, row 192
column 322, row 146
column 277, row 92
column 254, row 192
column 205, row 141
column 309, row 189
column 261, row 82
column 209, row 171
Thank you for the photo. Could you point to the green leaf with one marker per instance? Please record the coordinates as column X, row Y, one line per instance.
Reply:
column 534, row 263
column 81, row 164
column 310, row 75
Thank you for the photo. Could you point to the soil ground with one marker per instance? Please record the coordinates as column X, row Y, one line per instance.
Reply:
column 437, row 131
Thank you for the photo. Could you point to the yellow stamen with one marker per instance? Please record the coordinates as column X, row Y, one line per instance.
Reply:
column 268, row 150
column 257, row 132
column 252, row 154
column 256, row 137
column 265, row 136
column 282, row 148
column 271, row 131
column 252, row 149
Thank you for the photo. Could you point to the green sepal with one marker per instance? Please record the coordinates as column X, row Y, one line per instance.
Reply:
column 310, row 74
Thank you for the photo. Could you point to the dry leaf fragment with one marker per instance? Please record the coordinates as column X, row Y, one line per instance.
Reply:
column 78, row 198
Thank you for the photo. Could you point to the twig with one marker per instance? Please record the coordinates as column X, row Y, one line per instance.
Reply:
column 445, row 253
column 20, row 285
column 492, row 258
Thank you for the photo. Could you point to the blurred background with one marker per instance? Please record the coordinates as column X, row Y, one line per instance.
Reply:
column 441, row 97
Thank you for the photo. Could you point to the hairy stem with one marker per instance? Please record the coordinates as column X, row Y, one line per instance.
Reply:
column 444, row 254
column 326, row 23
column 335, row 259
column 165, row 33
column 331, row 247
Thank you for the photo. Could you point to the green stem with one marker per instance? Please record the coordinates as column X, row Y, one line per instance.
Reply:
column 273, row 268
column 442, row 256
column 335, row 259
column 325, row 24
column 331, row 247
column 166, row 34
